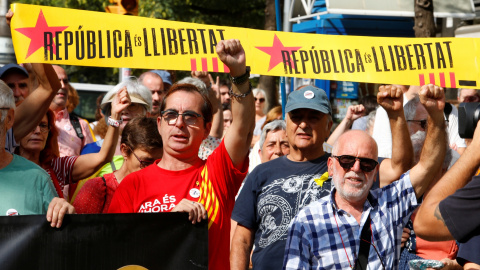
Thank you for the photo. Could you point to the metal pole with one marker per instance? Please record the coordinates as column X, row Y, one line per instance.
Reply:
column 282, row 79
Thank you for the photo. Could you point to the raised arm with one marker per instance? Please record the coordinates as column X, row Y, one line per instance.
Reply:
column 353, row 113
column 390, row 98
column 33, row 108
column 239, row 134
column 429, row 223
column 432, row 98
column 86, row 165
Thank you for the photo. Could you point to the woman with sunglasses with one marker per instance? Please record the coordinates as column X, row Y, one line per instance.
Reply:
column 41, row 147
column 141, row 145
column 260, row 110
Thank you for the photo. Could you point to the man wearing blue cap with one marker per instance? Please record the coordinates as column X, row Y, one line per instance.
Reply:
column 16, row 77
column 276, row 190
column 159, row 82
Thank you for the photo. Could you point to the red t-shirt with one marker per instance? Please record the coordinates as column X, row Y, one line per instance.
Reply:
column 213, row 182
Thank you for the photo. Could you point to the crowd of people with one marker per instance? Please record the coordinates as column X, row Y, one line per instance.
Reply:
column 391, row 183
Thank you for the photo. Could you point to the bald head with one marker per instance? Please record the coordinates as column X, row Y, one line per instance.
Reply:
column 356, row 143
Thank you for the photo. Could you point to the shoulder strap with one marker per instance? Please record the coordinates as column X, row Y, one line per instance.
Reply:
column 105, row 200
column 365, row 239
column 76, row 125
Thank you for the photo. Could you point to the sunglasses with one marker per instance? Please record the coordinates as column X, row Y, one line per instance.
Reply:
column 261, row 100
column 347, row 162
column 422, row 123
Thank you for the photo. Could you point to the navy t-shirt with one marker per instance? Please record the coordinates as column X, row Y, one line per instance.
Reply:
column 272, row 195
column 461, row 211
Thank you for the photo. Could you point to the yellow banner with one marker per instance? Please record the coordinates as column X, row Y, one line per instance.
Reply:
column 77, row 37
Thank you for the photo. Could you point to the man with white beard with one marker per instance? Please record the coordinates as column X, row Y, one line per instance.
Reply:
column 354, row 226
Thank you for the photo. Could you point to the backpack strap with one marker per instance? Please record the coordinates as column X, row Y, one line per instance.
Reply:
column 76, row 125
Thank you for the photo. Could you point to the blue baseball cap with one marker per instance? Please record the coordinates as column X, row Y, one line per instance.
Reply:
column 309, row 97
column 165, row 75
column 13, row 67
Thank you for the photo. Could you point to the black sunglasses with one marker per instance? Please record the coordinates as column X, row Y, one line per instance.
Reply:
column 422, row 123
column 347, row 162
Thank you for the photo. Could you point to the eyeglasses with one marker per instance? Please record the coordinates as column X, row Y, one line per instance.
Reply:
column 189, row 117
column 422, row 123
column 347, row 162
column 44, row 128
column 143, row 163
column 261, row 100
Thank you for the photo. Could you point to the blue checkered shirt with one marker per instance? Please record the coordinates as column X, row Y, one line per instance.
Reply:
column 314, row 242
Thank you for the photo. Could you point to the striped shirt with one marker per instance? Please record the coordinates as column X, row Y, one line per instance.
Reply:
column 314, row 241
column 61, row 172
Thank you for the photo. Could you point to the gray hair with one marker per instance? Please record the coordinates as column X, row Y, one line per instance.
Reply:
column 134, row 89
column 410, row 108
column 371, row 119
column 256, row 91
column 6, row 99
column 272, row 126
column 197, row 82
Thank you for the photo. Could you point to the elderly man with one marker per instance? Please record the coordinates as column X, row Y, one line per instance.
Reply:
column 354, row 226
column 275, row 192
column 159, row 82
column 25, row 189
column 181, row 181
column 73, row 132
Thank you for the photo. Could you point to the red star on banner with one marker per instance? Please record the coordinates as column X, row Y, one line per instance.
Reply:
column 36, row 34
column 275, row 52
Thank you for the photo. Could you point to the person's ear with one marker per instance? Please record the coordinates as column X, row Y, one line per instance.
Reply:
column 207, row 130
column 9, row 119
column 124, row 149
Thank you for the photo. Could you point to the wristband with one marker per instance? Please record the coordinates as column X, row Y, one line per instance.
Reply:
column 114, row 123
column 240, row 96
column 241, row 79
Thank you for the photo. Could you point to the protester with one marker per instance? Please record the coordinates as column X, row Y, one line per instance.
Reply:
column 467, row 95
column 74, row 133
column 158, row 82
column 16, row 77
column 370, row 104
column 273, row 141
column 450, row 211
column 25, row 189
column 141, row 145
column 254, row 156
column 41, row 147
column 181, row 181
column 351, row 208
column 260, row 110
column 224, row 87
column 30, row 111
column 274, row 191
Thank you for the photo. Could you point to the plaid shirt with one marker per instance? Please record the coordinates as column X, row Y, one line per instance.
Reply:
column 314, row 242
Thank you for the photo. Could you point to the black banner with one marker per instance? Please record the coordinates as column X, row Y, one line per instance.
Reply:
column 104, row 241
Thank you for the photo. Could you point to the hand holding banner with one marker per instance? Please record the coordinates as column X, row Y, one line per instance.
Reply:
column 108, row 40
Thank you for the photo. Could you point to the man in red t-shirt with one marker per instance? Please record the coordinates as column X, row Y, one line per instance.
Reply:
column 181, row 181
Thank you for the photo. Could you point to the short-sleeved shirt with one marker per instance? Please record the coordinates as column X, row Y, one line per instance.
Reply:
column 213, row 182
column 461, row 211
column 272, row 195
column 61, row 172
column 96, row 195
column 69, row 143
column 314, row 240
column 469, row 251
column 25, row 188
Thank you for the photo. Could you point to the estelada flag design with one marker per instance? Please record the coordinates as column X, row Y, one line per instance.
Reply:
column 76, row 37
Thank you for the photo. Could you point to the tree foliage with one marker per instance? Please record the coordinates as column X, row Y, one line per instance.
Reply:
column 241, row 13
